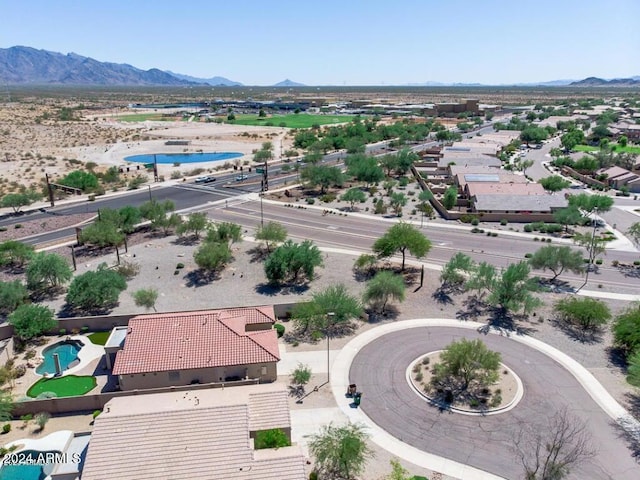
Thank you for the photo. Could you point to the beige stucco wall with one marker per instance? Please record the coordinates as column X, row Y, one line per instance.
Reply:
column 266, row 372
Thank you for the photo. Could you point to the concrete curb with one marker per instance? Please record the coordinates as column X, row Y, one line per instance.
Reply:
column 340, row 382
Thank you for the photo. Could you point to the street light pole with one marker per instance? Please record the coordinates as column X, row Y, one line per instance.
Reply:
column 330, row 315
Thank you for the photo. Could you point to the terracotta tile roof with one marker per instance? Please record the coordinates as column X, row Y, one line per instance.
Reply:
column 191, row 340
column 264, row 314
column 189, row 441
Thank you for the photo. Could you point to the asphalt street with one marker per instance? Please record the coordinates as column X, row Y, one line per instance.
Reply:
column 357, row 233
column 388, row 400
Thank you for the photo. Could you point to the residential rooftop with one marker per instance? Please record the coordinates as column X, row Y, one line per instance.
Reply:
column 198, row 339
column 193, row 435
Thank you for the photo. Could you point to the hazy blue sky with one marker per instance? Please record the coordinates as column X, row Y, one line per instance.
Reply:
column 350, row 42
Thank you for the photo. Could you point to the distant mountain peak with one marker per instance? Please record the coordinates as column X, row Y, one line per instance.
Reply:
column 213, row 81
column 601, row 82
column 27, row 65
column 289, row 83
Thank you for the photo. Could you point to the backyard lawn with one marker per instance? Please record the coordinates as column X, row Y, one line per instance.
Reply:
column 300, row 120
column 67, row 386
column 618, row 148
column 99, row 338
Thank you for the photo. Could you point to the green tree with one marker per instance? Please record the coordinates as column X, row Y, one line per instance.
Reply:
column 570, row 215
column 13, row 252
column 6, row 406
column 554, row 183
column 626, row 329
column 634, row 233
column 522, row 165
column 533, row 134
column 212, row 256
column 80, row 179
column 97, row 290
column 365, row 263
column 456, row 270
column 340, row 452
column 196, row 223
column 398, row 472
column 47, row 270
column 622, row 141
column 465, row 366
column 313, row 316
column 592, row 204
column 12, row 295
column 450, row 197
column 509, row 290
column 364, row 168
column 18, row 200
column 272, row 438
column 594, row 246
column 633, row 368
column 301, row 375
column 557, row 259
column 383, row 287
column 398, row 200
column 323, row 176
column 406, row 158
column 31, row 320
column 102, row 234
column 129, row 216
column 389, row 163
column 224, row 232
column 146, row 297
column 292, row 260
column 400, row 238
column 571, row 139
column 586, row 313
column 586, row 165
column 159, row 214
column 353, row 195
column 271, row 234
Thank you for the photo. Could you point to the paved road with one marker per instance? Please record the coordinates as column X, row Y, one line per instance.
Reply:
column 357, row 233
column 379, row 371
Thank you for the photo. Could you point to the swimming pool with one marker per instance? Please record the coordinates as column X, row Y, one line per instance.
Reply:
column 67, row 353
column 24, row 471
column 170, row 158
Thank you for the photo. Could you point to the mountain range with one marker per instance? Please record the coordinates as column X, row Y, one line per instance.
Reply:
column 26, row 65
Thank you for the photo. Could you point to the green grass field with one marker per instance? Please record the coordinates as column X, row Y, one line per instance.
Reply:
column 99, row 338
column 300, row 120
column 142, row 117
column 67, row 386
column 618, row 149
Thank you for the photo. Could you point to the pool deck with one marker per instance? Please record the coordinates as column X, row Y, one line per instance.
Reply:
column 86, row 355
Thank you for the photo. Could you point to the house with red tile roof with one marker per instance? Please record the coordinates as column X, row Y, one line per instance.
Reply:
column 196, row 434
column 208, row 346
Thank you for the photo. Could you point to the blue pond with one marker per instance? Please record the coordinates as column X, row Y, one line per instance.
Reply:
column 171, row 158
column 67, row 353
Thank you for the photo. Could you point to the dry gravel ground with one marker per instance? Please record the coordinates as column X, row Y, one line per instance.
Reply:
column 243, row 283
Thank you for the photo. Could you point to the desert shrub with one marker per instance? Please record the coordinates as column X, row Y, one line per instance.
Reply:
column 6, row 428
column 328, row 197
column 279, row 328
column 128, row 269
column 179, row 266
column 310, row 201
column 504, row 221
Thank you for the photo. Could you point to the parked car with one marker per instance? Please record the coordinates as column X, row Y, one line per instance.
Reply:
column 206, row 179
